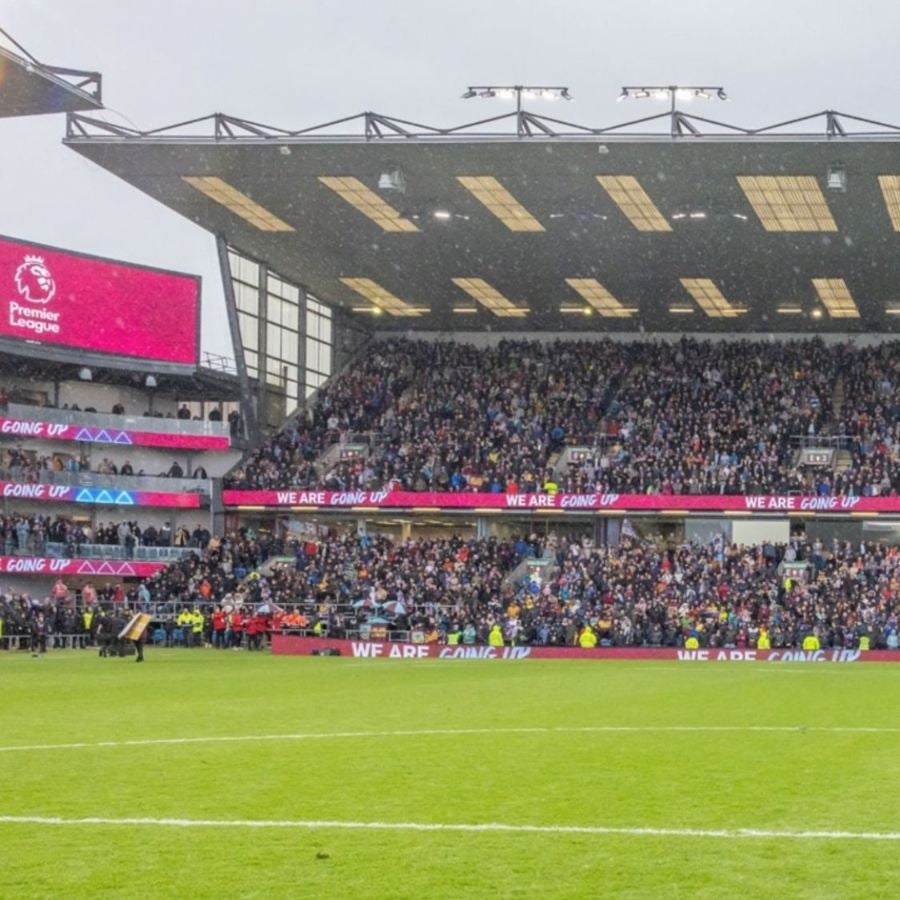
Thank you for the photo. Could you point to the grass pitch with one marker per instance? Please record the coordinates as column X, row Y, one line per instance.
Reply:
column 509, row 742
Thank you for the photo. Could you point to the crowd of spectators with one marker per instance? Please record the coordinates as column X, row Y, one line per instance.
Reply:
column 684, row 417
column 19, row 464
column 23, row 534
column 445, row 416
column 639, row 593
column 870, row 416
column 708, row 417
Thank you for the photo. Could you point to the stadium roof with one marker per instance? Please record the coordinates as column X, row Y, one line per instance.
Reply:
column 31, row 88
column 555, row 226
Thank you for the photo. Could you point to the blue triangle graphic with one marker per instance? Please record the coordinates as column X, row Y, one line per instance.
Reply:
column 125, row 499
column 84, row 435
column 103, row 437
column 84, row 496
column 104, row 497
column 122, row 438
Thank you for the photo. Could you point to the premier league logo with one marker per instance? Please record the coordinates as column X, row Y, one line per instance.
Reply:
column 34, row 282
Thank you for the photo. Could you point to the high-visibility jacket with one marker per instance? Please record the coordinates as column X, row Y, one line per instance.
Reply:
column 587, row 638
column 197, row 622
column 495, row 638
column 87, row 617
column 764, row 643
column 811, row 642
column 692, row 643
column 864, row 642
column 184, row 618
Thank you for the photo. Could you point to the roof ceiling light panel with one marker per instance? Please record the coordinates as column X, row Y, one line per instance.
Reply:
column 710, row 299
column 836, row 298
column 788, row 202
column 890, row 188
column 237, row 202
column 368, row 203
column 626, row 192
column 382, row 298
column 500, row 202
column 600, row 298
column 490, row 298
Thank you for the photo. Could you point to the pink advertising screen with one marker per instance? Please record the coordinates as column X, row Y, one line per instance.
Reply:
column 70, row 300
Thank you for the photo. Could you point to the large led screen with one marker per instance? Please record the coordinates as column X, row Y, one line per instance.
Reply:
column 71, row 300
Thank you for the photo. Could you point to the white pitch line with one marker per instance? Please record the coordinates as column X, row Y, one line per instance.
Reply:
column 311, row 824
column 451, row 732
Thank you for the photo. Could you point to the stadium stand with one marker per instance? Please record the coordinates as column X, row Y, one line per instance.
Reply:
column 696, row 417
column 640, row 593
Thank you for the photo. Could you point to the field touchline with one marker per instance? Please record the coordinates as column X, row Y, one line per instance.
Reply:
column 601, row 830
column 451, row 732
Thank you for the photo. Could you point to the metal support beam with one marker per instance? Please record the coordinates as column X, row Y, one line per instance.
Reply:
column 248, row 405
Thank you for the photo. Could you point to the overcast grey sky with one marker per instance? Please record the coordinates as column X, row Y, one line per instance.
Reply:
column 300, row 62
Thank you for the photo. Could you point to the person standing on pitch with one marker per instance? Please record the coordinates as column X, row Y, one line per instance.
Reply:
column 135, row 630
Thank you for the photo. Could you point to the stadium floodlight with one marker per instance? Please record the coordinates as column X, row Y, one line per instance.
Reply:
column 392, row 180
column 836, row 178
column 672, row 92
column 517, row 92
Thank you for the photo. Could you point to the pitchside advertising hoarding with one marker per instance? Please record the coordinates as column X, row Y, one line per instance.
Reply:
column 292, row 645
column 84, row 303
column 563, row 502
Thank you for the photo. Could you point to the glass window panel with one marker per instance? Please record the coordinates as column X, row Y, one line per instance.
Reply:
column 273, row 309
column 325, row 358
column 243, row 268
column 312, row 355
column 290, row 347
column 249, row 333
column 247, row 298
column 291, row 317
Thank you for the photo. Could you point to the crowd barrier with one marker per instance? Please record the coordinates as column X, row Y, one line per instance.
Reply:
column 292, row 645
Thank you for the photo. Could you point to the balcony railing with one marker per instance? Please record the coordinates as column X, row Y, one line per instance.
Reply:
column 116, row 551
column 123, row 423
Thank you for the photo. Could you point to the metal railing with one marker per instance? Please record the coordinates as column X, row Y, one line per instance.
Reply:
column 117, row 551
column 823, row 441
column 156, row 424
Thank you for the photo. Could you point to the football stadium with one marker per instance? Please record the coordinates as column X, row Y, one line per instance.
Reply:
column 538, row 534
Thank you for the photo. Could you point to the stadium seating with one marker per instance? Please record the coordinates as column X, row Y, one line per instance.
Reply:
column 686, row 417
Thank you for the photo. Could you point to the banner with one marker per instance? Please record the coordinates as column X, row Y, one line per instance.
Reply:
column 99, row 496
column 113, row 568
column 136, row 627
column 57, row 431
column 574, row 502
column 53, row 296
column 293, row 645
